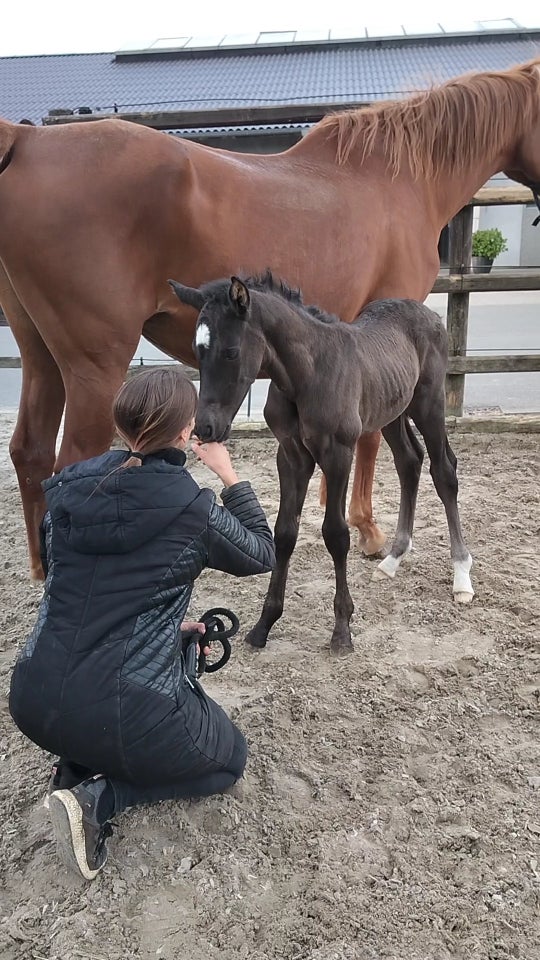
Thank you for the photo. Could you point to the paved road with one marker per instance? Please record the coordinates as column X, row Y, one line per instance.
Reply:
column 499, row 323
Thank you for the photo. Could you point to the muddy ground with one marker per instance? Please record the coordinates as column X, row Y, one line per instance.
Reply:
column 391, row 808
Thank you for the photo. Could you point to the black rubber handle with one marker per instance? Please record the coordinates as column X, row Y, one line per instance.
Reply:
column 216, row 632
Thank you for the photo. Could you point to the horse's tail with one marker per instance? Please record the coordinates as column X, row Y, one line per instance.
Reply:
column 8, row 136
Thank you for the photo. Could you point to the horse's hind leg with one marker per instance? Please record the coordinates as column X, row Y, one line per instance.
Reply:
column 335, row 460
column 428, row 414
column 295, row 467
column 408, row 456
column 32, row 446
column 372, row 539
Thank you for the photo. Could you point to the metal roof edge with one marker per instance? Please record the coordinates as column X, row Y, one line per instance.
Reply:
column 518, row 33
column 169, row 53
column 45, row 56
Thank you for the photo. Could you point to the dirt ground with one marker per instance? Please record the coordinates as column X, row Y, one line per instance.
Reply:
column 391, row 808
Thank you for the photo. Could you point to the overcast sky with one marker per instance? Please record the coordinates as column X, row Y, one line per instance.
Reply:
column 62, row 26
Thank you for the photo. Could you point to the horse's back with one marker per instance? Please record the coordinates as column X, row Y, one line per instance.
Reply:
column 397, row 318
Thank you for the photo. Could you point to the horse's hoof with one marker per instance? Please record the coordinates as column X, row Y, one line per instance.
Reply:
column 341, row 642
column 341, row 649
column 257, row 638
column 386, row 569
column 372, row 546
column 463, row 597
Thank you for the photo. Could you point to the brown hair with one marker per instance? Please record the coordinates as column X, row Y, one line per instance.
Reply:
column 443, row 129
column 151, row 409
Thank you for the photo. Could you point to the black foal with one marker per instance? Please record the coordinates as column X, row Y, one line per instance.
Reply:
column 331, row 382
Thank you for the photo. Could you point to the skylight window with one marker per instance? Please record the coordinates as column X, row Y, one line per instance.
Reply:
column 279, row 36
column 239, row 40
column 505, row 24
column 162, row 42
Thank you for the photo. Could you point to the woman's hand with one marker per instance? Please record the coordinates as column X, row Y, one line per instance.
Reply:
column 216, row 457
column 191, row 626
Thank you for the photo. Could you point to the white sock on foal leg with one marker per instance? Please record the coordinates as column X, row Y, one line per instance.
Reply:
column 388, row 566
column 462, row 588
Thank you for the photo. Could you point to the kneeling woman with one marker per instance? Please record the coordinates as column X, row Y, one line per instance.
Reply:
column 100, row 681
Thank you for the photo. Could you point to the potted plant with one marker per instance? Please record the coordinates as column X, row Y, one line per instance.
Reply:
column 486, row 245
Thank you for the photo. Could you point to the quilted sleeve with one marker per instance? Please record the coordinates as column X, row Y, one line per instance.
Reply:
column 239, row 538
column 45, row 542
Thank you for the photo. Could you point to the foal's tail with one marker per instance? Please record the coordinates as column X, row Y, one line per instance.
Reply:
column 8, row 136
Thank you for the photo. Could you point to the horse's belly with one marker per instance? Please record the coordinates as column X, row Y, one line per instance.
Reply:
column 379, row 410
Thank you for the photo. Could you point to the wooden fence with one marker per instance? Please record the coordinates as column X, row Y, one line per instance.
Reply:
column 459, row 283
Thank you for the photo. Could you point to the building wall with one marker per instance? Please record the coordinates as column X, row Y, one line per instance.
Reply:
column 508, row 220
column 515, row 223
column 247, row 143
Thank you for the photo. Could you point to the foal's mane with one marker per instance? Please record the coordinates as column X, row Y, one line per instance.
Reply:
column 267, row 283
column 442, row 130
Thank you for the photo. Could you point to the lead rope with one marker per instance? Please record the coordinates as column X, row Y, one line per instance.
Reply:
column 535, row 190
column 216, row 632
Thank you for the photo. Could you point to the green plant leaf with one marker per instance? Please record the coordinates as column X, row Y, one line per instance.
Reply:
column 488, row 243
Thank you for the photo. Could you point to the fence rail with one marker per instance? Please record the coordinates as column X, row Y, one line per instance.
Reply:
column 460, row 283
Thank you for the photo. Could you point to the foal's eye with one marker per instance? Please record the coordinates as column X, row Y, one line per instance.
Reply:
column 231, row 353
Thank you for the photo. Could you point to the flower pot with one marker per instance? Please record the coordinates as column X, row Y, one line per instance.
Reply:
column 481, row 264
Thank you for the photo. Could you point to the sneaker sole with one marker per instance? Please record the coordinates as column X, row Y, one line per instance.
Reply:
column 67, row 820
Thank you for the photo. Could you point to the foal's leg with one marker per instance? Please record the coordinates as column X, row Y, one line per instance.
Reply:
column 32, row 447
column 295, row 467
column 372, row 539
column 428, row 414
column 335, row 461
column 408, row 456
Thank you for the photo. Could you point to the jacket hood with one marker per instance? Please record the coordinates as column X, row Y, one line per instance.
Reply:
column 101, row 509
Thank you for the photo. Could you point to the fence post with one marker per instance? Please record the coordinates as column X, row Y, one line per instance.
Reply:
column 457, row 315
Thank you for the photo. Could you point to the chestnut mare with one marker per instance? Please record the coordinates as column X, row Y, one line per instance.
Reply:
column 95, row 217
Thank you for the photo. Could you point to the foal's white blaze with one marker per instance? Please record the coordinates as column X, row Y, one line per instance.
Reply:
column 202, row 335
column 388, row 566
column 462, row 589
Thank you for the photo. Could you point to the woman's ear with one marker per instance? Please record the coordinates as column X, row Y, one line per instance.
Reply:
column 185, row 434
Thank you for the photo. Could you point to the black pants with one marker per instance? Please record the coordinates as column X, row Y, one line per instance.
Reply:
column 122, row 795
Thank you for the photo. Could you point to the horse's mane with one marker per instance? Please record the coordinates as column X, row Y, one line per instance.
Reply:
column 267, row 283
column 443, row 129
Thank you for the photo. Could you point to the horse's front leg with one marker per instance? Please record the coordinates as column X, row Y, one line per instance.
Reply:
column 32, row 446
column 336, row 461
column 372, row 539
column 295, row 467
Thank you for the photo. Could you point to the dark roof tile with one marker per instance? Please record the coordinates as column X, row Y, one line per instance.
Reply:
column 31, row 86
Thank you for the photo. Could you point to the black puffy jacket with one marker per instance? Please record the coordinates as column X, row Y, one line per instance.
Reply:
column 99, row 680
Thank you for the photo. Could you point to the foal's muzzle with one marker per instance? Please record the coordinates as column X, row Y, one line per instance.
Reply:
column 209, row 430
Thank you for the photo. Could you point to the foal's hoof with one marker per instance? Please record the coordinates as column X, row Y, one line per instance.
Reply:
column 463, row 597
column 341, row 644
column 386, row 570
column 257, row 637
column 341, row 649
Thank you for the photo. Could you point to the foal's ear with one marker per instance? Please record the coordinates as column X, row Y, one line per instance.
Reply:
column 239, row 294
column 189, row 295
